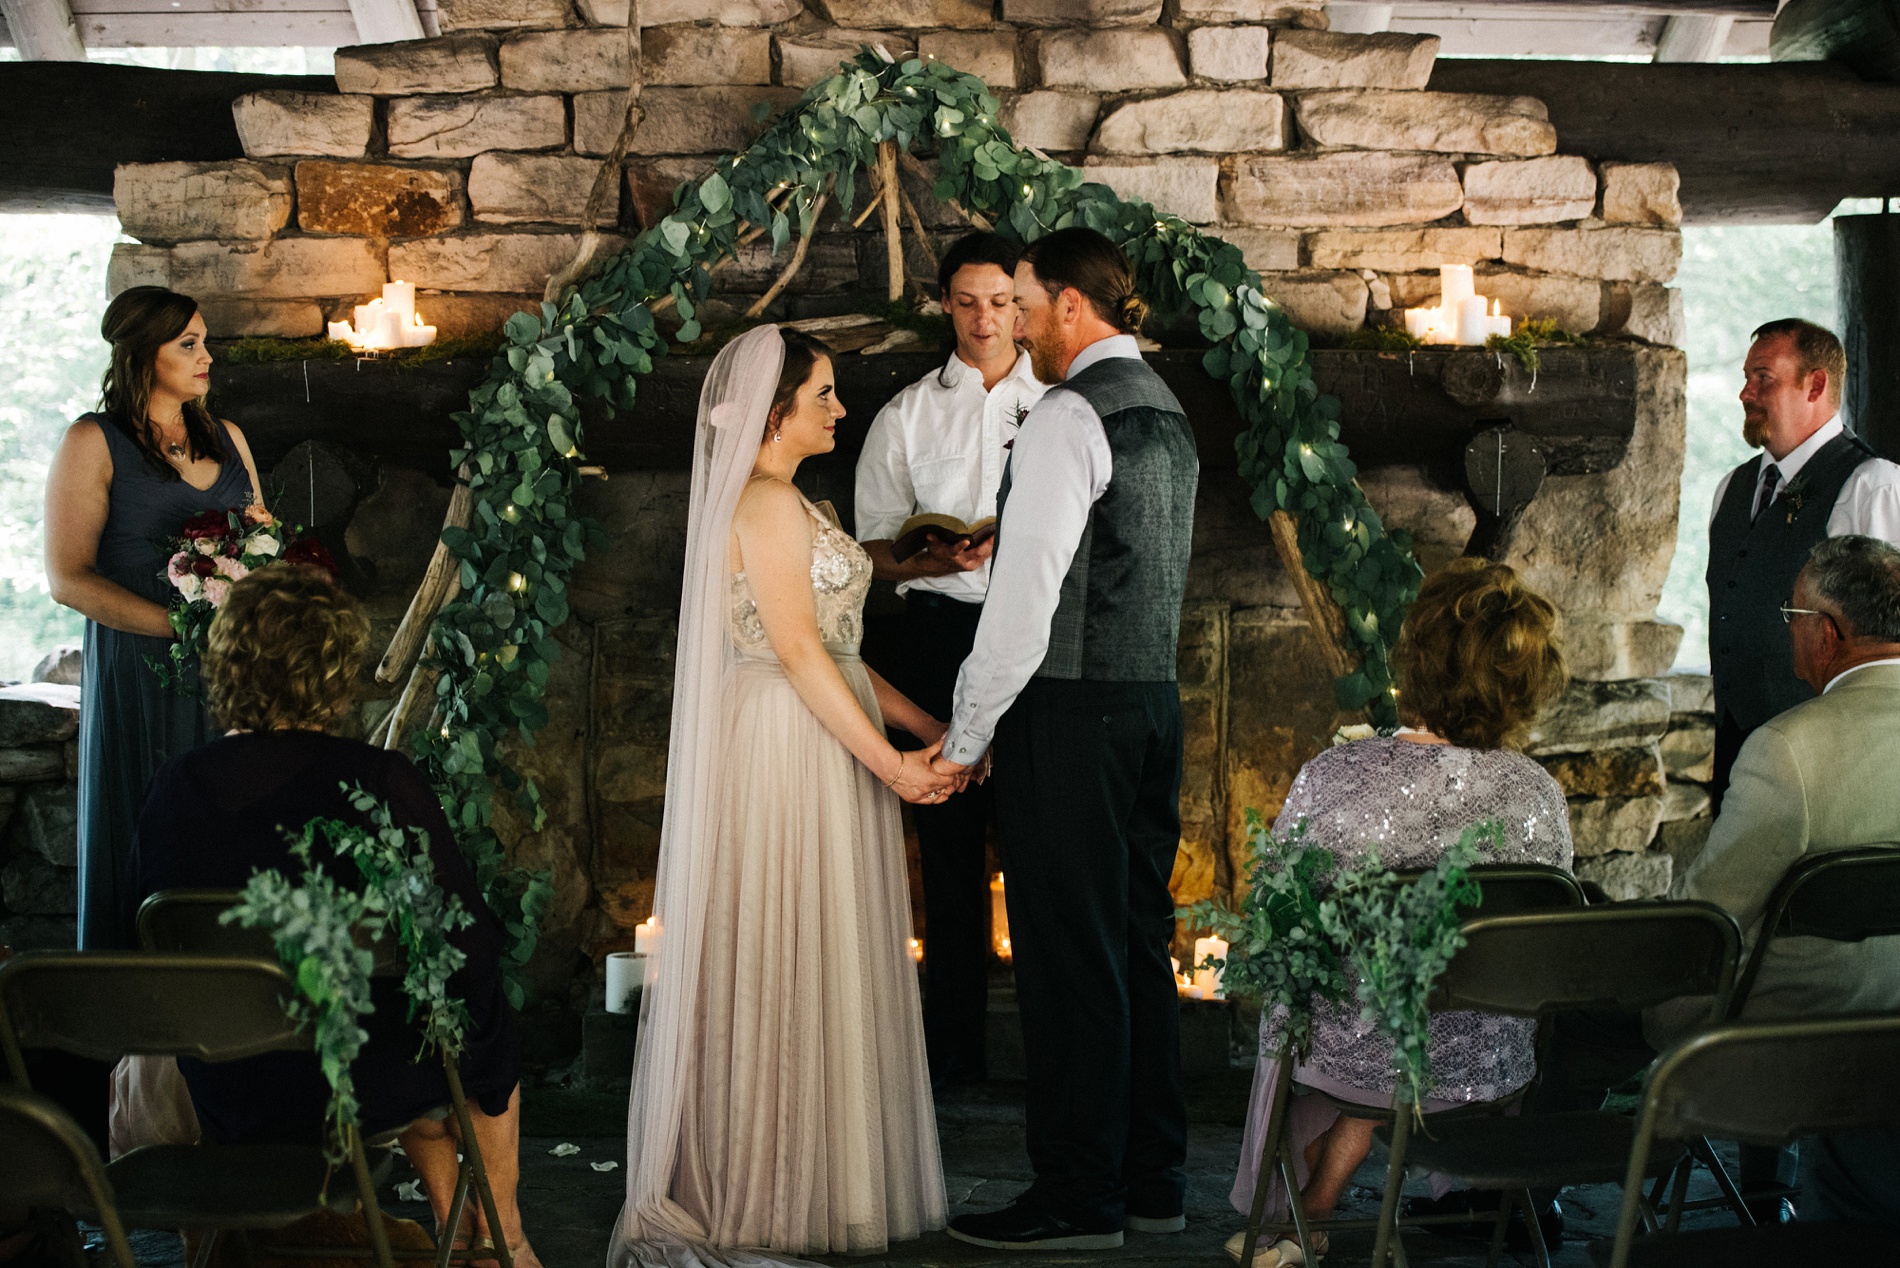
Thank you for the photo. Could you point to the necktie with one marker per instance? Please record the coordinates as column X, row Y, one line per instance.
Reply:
column 1765, row 496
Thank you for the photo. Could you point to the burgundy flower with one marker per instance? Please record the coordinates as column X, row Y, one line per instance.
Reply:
column 206, row 524
column 202, row 566
column 308, row 550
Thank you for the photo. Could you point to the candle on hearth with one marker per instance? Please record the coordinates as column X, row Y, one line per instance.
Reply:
column 999, row 919
column 1209, row 980
column 1474, row 323
column 341, row 331
column 400, row 297
column 1455, row 287
column 625, row 970
column 646, row 936
column 916, row 947
column 1500, row 324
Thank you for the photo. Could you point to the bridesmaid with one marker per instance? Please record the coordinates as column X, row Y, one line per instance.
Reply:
column 123, row 480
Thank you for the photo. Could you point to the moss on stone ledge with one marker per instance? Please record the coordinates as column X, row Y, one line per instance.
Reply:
column 258, row 351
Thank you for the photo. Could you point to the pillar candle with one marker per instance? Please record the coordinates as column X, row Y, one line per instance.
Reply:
column 916, row 951
column 401, row 297
column 1209, row 980
column 625, row 969
column 1416, row 322
column 342, row 331
column 1454, row 281
column 646, row 936
column 999, row 919
column 1474, row 324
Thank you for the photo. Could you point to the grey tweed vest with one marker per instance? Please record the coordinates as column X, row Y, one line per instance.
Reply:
column 1751, row 573
column 1119, row 615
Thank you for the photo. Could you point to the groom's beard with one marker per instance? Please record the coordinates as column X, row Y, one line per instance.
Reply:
column 1045, row 359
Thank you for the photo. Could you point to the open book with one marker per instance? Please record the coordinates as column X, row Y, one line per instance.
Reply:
column 915, row 535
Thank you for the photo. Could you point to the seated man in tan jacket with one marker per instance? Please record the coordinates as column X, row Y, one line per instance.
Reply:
column 1816, row 778
column 1819, row 777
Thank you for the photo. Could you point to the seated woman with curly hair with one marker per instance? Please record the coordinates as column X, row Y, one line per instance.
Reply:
column 1476, row 660
column 284, row 656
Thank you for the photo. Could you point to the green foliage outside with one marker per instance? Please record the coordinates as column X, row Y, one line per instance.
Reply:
column 319, row 924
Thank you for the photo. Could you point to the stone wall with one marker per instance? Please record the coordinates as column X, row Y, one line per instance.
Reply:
column 39, row 808
column 461, row 163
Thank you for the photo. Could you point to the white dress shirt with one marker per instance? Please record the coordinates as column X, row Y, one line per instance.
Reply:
column 1059, row 469
column 1866, row 664
column 938, row 448
column 1869, row 504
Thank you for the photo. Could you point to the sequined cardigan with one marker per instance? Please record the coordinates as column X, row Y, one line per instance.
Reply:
column 1410, row 802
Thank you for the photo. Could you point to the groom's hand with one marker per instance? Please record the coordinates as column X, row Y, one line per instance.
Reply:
column 962, row 772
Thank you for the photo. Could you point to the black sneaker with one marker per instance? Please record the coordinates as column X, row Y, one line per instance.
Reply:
column 1154, row 1223
column 1024, row 1225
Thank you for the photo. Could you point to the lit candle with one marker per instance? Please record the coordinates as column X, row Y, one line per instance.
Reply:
column 1417, row 322
column 342, row 331
column 401, row 297
column 999, row 919
column 364, row 316
column 1455, row 286
column 916, row 951
column 1209, row 980
column 389, row 331
column 625, row 969
column 646, row 936
column 1500, row 324
column 1474, row 324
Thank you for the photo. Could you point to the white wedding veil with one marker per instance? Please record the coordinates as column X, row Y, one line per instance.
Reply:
column 733, row 405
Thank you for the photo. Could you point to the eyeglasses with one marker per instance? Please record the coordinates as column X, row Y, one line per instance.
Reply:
column 1788, row 614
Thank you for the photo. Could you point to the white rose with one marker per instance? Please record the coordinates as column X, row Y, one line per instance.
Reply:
column 262, row 544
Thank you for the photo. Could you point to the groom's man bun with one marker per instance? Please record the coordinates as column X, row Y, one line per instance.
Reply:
column 1096, row 267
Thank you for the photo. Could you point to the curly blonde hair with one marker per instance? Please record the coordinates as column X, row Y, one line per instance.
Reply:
column 1478, row 656
column 284, row 651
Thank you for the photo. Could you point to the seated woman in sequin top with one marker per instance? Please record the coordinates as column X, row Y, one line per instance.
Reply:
column 1476, row 659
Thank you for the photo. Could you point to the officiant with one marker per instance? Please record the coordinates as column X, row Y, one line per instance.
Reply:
column 938, row 448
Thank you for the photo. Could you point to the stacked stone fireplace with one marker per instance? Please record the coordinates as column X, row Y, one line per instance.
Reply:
column 461, row 164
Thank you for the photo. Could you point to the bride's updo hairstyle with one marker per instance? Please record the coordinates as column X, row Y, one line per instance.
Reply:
column 802, row 354
column 1478, row 657
column 285, row 650
column 1096, row 267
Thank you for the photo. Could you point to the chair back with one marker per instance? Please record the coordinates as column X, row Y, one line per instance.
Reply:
column 1622, row 956
column 1508, row 889
column 1843, row 896
column 46, row 1160
column 185, row 922
column 1771, row 1082
column 110, row 1004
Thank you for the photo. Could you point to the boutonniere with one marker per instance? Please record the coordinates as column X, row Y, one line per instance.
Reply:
column 1794, row 496
column 1022, row 412
column 1016, row 418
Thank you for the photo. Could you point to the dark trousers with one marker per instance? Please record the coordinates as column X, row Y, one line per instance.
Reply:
column 936, row 636
column 1088, row 782
column 1729, row 737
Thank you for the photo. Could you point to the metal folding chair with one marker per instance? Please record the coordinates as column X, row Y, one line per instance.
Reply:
column 50, row 1174
column 107, row 1005
column 1626, row 956
column 186, row 921
column 1504, row 889
column 1763, row 1083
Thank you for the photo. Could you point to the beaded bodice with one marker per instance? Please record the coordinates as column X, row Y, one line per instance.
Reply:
column 840, row 580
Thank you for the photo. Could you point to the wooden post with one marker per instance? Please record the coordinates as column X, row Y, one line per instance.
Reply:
column 893, row 244
column 1328, row 622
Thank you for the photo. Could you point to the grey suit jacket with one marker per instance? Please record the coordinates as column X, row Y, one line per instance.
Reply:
column 1823, row 776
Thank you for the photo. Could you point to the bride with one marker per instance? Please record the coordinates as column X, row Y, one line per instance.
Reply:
column 780, row 1097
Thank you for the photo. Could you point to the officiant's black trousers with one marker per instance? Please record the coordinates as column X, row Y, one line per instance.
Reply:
column 1088, row 785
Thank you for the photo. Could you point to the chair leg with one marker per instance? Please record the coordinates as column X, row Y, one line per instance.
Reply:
column 1506, row 1201
column 457, row 1204
column 1394, row 1182
column 1705, row 1153
column 478, row 1169
column 208, row 1244
column 1269, row 1154
column 247, row 1256
column 1536, row 1229
column 1679, row 1192
column 1296, row 1201
column 367, row 1203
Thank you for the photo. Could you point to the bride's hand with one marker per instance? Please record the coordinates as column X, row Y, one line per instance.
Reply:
column 917, row 783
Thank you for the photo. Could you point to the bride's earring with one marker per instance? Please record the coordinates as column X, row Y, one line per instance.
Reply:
column 777, row 436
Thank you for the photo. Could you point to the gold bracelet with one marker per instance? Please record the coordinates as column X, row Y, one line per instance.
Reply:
column 899, row 772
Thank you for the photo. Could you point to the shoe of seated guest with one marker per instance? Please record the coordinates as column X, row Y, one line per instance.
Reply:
column 1271, row 1253
column 1154, row 1223
column 1025, row 1225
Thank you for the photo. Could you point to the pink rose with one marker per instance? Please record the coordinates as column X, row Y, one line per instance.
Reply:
column 216, row 589
column 231, row 568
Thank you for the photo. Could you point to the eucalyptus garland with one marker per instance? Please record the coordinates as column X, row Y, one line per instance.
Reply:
column 522, row 434
column 318, row 926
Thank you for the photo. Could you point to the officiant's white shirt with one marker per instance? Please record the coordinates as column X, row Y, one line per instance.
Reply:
column 1060, row 468
column 938, row 448
column 1869, row 504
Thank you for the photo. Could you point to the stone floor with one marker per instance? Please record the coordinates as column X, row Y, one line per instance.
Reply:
column 571, row 1207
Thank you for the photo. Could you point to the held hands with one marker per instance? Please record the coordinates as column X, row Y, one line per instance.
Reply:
column 917, row 782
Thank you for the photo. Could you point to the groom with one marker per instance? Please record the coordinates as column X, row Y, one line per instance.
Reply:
column 1072, row 678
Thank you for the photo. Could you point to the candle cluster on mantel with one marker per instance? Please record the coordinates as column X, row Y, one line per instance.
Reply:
column 390, row 321
column 1460, row 316
column 1204, row 983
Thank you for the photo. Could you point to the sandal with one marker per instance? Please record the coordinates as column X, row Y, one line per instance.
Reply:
column 1284, row 1252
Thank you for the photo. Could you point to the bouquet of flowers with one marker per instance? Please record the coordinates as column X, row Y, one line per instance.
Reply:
column 213, row 551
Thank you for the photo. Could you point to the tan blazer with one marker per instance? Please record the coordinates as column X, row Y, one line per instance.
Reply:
column 1823, row 776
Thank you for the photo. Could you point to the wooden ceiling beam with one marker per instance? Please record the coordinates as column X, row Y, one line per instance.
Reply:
column 43, row 30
